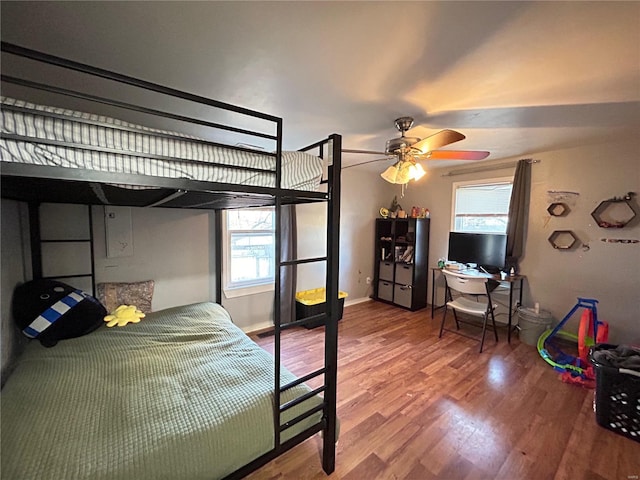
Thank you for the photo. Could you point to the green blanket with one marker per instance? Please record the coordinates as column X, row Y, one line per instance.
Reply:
column 184, row 394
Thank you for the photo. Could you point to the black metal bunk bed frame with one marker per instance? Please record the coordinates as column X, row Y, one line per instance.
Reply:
column 37, row 184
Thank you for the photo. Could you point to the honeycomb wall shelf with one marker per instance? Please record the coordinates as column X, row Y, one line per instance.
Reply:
column 615, row 212
column 558, row 209
column 563, row 240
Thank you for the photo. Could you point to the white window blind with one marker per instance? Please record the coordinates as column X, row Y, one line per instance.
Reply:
column 481, row 207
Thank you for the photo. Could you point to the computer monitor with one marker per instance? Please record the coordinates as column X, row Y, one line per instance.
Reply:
column 487, row 250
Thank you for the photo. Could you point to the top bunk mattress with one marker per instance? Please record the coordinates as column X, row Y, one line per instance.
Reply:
column 111, row 145
column 184, row 394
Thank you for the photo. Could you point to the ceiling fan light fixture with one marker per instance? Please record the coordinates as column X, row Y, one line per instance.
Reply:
column 391, row 173
column 411, row 170
column 402, row 172
column 416, row 171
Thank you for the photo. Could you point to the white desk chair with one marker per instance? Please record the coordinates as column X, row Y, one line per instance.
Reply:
column 473, row 298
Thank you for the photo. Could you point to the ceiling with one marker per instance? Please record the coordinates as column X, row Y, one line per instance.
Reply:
column 517, row 78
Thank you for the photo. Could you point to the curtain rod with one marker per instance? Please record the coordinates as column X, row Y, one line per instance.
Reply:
column 487, row 168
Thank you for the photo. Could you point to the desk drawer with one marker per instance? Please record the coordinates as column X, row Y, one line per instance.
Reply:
column 402, row 295
column 385, row 290
column 386, row 271
column 404, row 274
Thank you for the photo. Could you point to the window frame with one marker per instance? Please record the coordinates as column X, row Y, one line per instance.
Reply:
column 478, row 182
column 234, row 290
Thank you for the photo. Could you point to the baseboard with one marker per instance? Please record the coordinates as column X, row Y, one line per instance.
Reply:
column 258, row 328
column 355, row 301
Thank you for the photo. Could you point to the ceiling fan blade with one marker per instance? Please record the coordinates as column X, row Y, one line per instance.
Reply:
column 456, row 155
column 368, row 161
column 366, row 152
column 437, row 140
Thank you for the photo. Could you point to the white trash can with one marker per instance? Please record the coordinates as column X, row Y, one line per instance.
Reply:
column 532, row 324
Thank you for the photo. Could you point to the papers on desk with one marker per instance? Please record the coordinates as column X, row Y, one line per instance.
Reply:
column 468, row 272
column 455, row 266
column 462, row 268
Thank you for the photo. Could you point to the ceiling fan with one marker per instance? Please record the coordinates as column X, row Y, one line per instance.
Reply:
column 409, row 150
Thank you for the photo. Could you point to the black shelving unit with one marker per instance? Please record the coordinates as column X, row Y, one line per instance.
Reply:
column 401, row 262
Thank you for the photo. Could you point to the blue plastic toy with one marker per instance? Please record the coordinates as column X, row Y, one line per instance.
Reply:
column 563, row 362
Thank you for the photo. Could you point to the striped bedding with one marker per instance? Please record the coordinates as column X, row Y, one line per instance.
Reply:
column 300, row 171
column 184, row 394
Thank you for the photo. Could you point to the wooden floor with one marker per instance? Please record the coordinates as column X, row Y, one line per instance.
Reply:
column 413, row 406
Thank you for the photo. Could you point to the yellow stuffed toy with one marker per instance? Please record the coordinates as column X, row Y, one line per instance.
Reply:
column 122, row 315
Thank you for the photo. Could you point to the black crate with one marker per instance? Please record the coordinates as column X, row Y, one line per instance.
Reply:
column 305, row 311
column 617, row 398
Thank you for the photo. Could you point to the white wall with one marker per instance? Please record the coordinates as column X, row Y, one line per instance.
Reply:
column 170, row 246
column 363, row 193
column 251, row 312
column 608, row 272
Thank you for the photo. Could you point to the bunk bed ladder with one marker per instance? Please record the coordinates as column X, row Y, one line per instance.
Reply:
column 36, row 243
column 330, row 317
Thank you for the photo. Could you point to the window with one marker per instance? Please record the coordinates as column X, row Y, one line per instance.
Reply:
column 481, row 206
column 249, row 251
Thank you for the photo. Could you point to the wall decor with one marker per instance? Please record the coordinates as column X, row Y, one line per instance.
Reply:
column 563, row 239
column 564, row 196
column 558, row 209
column 615, row 212
column 620, row 240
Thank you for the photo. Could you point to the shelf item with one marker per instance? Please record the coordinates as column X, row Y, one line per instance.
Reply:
column 615, row 212
column 401, row 262
column 563, row 239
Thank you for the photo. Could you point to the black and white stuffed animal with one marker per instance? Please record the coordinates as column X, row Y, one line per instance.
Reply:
column 50, row 311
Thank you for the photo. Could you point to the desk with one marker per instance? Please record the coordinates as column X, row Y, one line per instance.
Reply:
column 513, row 281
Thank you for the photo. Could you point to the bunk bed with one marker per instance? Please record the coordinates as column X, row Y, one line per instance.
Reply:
column 56, row 154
